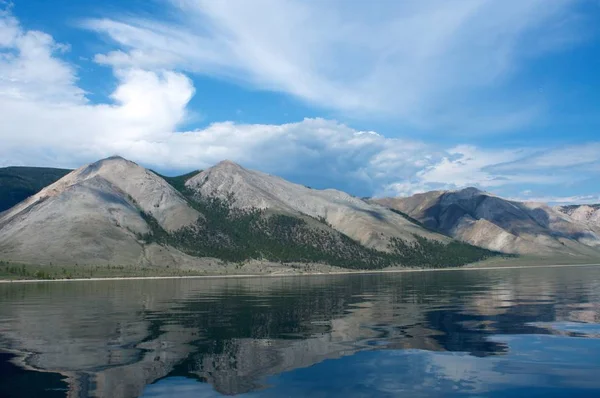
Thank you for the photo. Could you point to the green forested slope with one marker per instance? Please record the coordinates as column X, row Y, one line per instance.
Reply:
column 18, row 183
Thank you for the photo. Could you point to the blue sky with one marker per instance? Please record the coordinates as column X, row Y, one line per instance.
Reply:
column 384, row 98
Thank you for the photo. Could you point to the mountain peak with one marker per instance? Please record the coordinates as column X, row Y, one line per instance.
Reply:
column 105, row 167
column 249, row 189
column 228, row 164
column 151, row 193
column 115, row 159
column 470, row 191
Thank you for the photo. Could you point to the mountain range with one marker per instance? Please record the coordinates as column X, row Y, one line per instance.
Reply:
column 508, row 226
column 115, row 212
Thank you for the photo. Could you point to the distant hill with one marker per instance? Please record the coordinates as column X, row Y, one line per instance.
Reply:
column 115, row 212
column 19, row 183
column 509, row 226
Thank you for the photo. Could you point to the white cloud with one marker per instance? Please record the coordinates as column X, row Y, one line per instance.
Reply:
column 568, row 156
column 46, row 115
column 147, row 107
column 61, row 127
column 494, row 169
column 47, row 120
column 141, row 124
column 466, row 165
column 469, row 165
column 28, row 69
column 421, row 62
column 560, row 200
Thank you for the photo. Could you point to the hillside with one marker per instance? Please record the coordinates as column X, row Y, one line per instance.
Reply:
column 370, row 224
column 92, row 215
column 19, row 183
column 489, row 221
column 116, row 212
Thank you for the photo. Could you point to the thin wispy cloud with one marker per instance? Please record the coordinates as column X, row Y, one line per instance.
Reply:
column 424, row 63
column 560, row 200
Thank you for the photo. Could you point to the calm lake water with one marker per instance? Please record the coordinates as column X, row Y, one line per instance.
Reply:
column 493, row 333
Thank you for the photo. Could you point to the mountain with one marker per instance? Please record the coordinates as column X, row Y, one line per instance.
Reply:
column 368, row 223
column 116, row 212
column 489, row 221
column 19, row 183
column 249, row 214
column 93, row 215
column 587, row 214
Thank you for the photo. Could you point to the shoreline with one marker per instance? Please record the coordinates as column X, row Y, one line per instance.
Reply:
column 272, row 275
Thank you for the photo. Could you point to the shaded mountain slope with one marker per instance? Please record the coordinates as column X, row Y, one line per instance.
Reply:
column 19, row 183
column 495, row 223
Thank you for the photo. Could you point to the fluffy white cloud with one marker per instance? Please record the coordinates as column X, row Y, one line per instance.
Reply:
column 422, row 62
column 45, row 115
column 28, row 69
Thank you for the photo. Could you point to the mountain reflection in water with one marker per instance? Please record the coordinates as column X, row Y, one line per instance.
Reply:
column 492, row 332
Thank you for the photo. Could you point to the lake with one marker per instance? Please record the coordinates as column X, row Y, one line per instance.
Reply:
column 495, row 333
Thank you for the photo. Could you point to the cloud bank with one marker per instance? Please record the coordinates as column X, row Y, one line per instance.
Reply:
column 49, row 120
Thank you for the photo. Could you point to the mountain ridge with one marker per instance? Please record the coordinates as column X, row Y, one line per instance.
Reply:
column 489, row 221
column 346, row 213
column 116, row 212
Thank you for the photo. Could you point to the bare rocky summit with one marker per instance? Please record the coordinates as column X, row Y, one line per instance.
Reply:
column 489, row 221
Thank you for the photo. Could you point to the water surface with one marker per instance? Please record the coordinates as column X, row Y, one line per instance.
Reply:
column 494, row 333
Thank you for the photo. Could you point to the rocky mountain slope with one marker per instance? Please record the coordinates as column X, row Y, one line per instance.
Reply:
column 489, row 221
column 116, row 212
column 19, row 183
column 368, row 223
column 587, row 214
column 256, row 215
column 92, row 215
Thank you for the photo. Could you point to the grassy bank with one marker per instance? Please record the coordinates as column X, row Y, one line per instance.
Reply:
column 16, row 271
